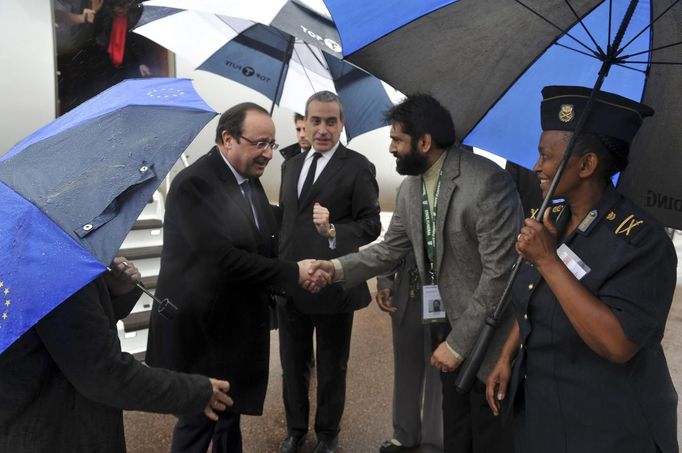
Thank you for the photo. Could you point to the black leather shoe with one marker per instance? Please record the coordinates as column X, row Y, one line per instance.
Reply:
column 390, row 447
column 291, row 444
column 326, row 446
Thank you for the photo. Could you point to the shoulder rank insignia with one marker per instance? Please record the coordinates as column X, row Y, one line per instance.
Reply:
column 587, row 220
column 629, row 225
column 558, row 208
column 611, row 215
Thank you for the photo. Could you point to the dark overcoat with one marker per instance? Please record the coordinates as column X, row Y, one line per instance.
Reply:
column 220, row 270
column 64, row 382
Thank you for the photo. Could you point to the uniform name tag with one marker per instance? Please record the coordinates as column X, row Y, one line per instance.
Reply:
column 573, row 262
column 433, row 309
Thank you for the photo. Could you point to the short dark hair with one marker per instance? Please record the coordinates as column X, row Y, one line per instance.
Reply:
column 419, row 114
column 233, row 119
column 324, row 96
column 298, row 117
column 607, row 149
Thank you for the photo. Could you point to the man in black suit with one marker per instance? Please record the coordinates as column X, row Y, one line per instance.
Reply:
column 329, row 202
column 302, row 145
column 218, row 266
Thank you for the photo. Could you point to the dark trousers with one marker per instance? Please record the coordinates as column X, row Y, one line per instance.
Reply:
column 332, row 338
column 469, row 425
column 193, row 433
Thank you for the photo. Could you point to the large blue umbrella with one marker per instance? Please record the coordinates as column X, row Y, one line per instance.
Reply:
column 285, row 69
column 487, row 61
column 71, row 191
column 496, row 56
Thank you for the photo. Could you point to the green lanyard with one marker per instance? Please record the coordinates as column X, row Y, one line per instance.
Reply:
column 430, row 224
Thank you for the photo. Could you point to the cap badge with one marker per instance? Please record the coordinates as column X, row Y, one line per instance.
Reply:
column 611, row 216
column 566, row 113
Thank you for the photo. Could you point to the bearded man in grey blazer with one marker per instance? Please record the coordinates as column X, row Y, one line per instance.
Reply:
column 460, row 214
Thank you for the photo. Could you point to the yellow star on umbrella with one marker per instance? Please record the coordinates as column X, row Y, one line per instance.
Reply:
column 7, row 302
column 4, row 316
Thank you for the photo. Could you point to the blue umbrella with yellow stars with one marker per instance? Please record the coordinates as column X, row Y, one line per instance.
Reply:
column 71, row 191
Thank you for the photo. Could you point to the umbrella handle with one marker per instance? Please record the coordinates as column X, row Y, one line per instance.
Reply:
column 165, row 307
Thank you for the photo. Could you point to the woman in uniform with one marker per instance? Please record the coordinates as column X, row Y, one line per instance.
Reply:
column 591, row 298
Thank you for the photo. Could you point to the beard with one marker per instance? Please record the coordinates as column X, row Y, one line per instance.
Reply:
column 414, row 163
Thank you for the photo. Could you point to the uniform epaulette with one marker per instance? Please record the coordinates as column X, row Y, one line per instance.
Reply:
column 626, row 224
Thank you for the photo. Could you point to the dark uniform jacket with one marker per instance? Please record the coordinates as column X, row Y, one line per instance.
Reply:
column 64, row 382
column 220, row 270
column 569, row 399
column 348, row 188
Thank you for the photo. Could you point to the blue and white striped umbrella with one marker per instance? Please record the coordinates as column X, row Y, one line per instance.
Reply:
column 276, row 64
column 306, row 20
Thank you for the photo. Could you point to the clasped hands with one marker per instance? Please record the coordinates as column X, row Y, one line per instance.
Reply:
column 313, row 275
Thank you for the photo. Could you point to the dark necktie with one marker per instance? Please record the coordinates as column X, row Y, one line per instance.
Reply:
column 310, row 177
column 246, row 190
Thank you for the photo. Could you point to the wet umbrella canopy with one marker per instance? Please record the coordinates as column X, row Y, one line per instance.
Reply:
column 276, row 64
column 488, row 60
column 71, row 191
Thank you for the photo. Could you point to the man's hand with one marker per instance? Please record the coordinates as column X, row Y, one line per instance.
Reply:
column 321, row 219
column 444, row 359
column 219, row 400
column 383, row 300
column 122, row 277
column 313, row 276
column 88, row 16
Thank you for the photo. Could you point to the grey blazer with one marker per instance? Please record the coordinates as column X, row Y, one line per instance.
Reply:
column 479, row 216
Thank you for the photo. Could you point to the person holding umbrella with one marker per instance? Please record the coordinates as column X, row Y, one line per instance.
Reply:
column 592, row 298
column 64, row 382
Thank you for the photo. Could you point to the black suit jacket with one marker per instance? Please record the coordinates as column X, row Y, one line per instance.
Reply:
column 348, row 188
column 219, row 269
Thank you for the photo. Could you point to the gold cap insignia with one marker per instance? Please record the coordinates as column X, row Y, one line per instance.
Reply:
column 557, row 208
column 566, row 113
column 611, row 215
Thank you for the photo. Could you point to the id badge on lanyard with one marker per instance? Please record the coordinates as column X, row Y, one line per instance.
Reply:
column 433, row 308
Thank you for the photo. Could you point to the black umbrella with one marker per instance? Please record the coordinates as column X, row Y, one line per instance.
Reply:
column 486, row 49
column 487, row 61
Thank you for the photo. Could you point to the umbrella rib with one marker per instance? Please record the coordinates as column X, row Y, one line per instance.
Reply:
column 610, row 18
column 673, row 63
column 563, row 32
column 582, row 24
column 305, row 71
column 624, row 66
column 651, row 50
column 589, row 54
column 322, row 63
column 648, row 26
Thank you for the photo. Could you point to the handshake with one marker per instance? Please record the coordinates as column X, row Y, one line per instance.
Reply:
column 313, row 275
